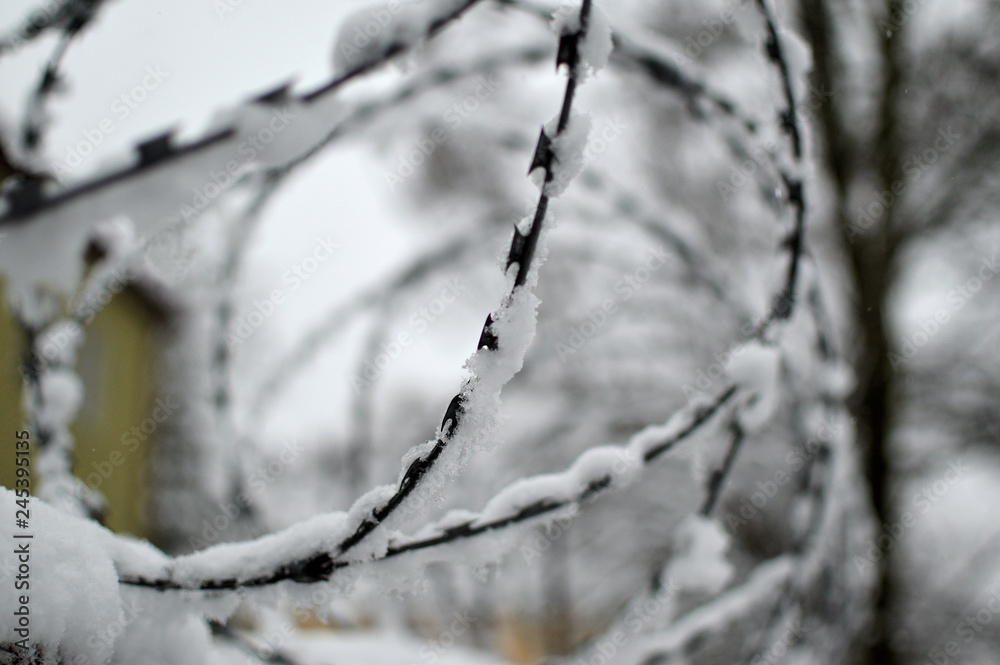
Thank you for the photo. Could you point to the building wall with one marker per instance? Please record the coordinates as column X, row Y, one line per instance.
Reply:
column 116, row 364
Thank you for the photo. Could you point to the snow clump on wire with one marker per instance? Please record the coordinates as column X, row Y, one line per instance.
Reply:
column 596, row 47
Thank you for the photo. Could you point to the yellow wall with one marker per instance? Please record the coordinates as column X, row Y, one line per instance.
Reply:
column 115, row 363
column 11, row 416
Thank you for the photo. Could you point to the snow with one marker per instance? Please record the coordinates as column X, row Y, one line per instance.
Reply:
column 610, row 466
column 569, row 145
column 798, row 56
column 52, row 407
column 489, row 370
column 763, row 583
column 369, row 35
column 566, row 19
column 595, row 49
column 21, row 250
column 568, row 148
column 594, row 466
column 30, row 258
column 381, row 647
column 135, row 558
column 756, row 369
column 72, row 587
column 136, row 211
column 58, row 343
column 622, row 465
column 62, row 394
column 650, row 437
column 837, row 379
column 169, row 638
column 597, row 45
column 261, row 557
column 700, row 563
column 283, row 130
column 77, row 604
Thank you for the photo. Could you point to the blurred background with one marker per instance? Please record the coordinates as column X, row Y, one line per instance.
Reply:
column 293, row 327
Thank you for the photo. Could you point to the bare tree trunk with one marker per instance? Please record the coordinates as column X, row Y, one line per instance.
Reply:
column 874, row 271
column 871, row 253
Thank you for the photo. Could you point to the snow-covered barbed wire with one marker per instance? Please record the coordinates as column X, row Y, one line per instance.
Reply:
column 68, row 15
column 417, row 23
column 830, row 489
column 52, row 395
column 776, row 591
column 470, row 420
column 778, row 44
column 525, row 243
column 26, row 199
column 523, row 502
column 33, row 198
column 658, row 67
column 313, row 552
column 72, row 17
column 718, row 476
